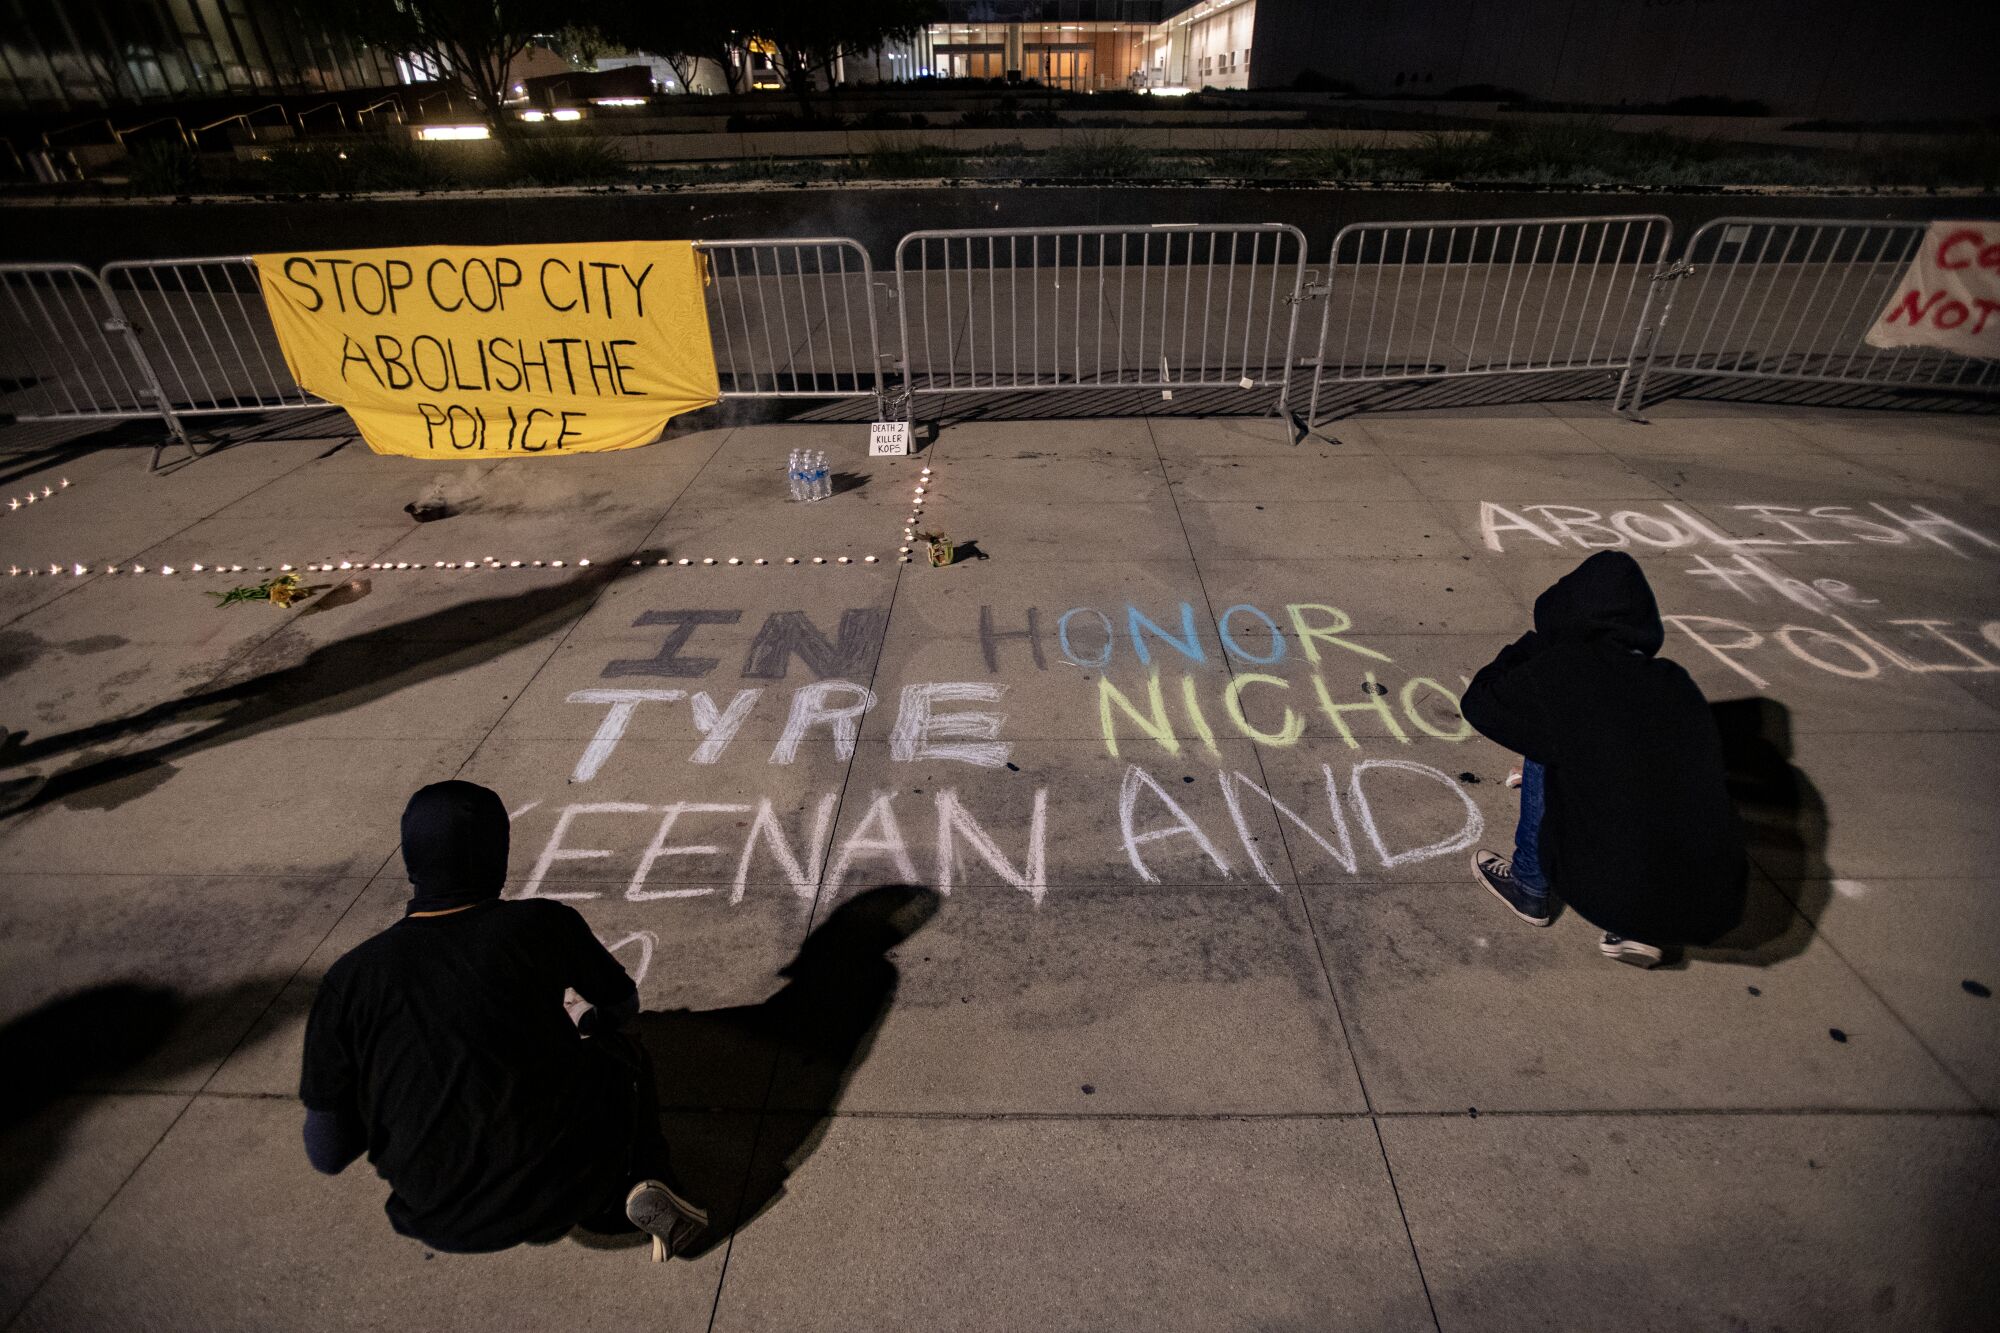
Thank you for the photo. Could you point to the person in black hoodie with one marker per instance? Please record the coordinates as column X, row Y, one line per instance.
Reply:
column 1624, row 811
column 441, row 1048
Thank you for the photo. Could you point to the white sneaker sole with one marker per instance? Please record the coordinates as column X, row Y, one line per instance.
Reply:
column 1641, row 956
column 659, row 1212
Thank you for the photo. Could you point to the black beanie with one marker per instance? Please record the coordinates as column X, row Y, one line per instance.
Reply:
column 455, row 837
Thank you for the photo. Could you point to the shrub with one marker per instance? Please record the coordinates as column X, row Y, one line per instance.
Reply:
column 398, row 164
column 304, row 168
column 921, row 161
column 1330, row 162
column 564, row 159
column 1446, row 154
column 164, row 167
column 1244, row 164
column 1097, row 157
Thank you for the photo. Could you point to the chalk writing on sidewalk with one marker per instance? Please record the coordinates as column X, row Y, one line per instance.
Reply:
column 1843, row 629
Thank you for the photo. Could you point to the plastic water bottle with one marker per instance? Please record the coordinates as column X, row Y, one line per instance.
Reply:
column 821, row 484
column 794, row 476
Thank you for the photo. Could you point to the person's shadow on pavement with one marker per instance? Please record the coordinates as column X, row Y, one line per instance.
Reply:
column 95, row 1036
column 1784, row 827
column 789, row 1058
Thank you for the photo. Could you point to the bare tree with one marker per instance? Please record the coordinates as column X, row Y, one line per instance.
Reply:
column 473, row 42
column 681, row 33
column 812, row 36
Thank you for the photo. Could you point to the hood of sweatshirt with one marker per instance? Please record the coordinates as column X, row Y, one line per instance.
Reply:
column 455, row 840
column 1606, row 598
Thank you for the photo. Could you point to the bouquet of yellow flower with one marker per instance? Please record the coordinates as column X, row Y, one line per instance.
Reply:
column 281, row 591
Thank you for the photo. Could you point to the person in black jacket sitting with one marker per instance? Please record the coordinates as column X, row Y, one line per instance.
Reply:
column 441, row 1048
column 1624, row 810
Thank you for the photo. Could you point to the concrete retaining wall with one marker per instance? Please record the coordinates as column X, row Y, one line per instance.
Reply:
column 724, row 147
column 877, row 217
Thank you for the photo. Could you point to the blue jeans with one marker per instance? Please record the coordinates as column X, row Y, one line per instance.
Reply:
column 1528, row 832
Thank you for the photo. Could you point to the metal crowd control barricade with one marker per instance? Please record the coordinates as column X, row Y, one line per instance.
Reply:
column 203, row 326
column 1064, row 308
column 1500, row 296
column 1793, row 299
column 67, row 354
column 793, row 318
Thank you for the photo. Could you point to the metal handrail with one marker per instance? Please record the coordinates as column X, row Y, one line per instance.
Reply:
column 394, row 102
column 175, row 121
column 247, row 117
column 49, row 136
column 340, row 114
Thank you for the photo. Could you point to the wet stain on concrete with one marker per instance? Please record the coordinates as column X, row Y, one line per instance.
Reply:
column 17, row 649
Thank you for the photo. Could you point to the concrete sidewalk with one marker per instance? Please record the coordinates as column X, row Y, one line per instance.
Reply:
column 1211, row 1027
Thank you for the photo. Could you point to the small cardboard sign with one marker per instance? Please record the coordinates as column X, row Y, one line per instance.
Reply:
column 888, row 439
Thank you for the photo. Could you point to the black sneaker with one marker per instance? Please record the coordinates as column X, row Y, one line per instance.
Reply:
column 1497, row 874
column 658, row 1211
column 1621, row 950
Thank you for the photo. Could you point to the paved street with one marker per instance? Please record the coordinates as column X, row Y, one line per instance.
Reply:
column 1202, row 1022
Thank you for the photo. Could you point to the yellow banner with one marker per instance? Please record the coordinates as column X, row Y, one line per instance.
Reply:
column 448, row 351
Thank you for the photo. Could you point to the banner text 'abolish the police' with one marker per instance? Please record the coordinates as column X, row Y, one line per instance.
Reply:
column 526, row 350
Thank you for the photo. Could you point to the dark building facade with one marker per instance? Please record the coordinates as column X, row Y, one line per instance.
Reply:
column 76, row 56
column 1837, row 59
